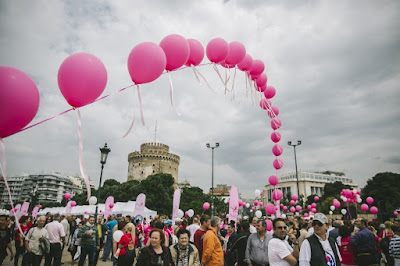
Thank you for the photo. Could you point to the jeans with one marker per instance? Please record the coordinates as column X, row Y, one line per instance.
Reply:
column 108, row 247
column 87, row 250
column 54, row 255
column 31, row 259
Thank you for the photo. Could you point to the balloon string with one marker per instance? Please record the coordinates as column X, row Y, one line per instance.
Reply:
column 194, row 71
column 171, row 93
column 205, row 80
column 233, row 85
column 133, row 120
column 140, row 104
column 3, row 172
column 219, row 75
column 81, row 162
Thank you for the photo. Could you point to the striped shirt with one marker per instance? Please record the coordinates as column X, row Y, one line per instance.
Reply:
column 394, row 247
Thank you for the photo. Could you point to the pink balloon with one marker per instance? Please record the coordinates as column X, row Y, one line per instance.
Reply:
column 111, row 205
column 246, row 63
column 298, row 208
column 277, row 194
column 370, row 200
column 236, row 54
column 269, row 92
column 295, row 197
column 67, row 196
column 314, row 210
column 270, row 208
column 206, row 206
column 313, row 205
column 305, row 214
column 364, row 207
column 278, row 163
column 292, row 202
column 255, row 203
column 146, row 62
column 85, row 212
column 40, row 206
column 100, row 211
column 277, row 150
column 19, row 100
column 82, row 78
column 281, row 205
column 73, row 203
column 261, row 88
column 373, row 210
column 336, row 204
column 254, row 77
column 316, row 198
column 253, row 208
column 196, row 53
column 292, row 209
column 395, row 213
column 257, row 68
column 275, row 136
column 217, row 50
column 261, row 80
column 275, row 123
column 273, row 180
column 260, row 204
column 273, row 112
column 177, row 51
column 265, row 103
column 269, row 225
column 309, row 207
column 224, row 64
column 284, row 208
column 186, row 213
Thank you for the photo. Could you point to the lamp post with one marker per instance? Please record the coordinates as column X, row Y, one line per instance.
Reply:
column 295, row 162
column 212, row 175
column 103, row 159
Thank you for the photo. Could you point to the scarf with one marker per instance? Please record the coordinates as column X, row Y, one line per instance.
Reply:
column 183, row 252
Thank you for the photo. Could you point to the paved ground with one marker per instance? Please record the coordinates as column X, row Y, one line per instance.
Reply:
column 66, row 259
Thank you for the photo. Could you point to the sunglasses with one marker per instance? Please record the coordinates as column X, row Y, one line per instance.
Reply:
column 281, row 227
column 314, row 223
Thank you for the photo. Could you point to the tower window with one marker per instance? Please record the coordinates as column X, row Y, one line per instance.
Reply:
column 142, row 172
column 154, row 171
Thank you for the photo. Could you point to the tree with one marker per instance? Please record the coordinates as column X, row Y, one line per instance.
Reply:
column 334, row 189
column 111, row 182
column 384, row 188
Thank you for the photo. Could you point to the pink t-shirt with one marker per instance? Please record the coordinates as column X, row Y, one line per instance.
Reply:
column 147, row 231
column 56, row 232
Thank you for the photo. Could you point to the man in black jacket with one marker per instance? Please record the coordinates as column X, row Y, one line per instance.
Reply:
column 236, row 252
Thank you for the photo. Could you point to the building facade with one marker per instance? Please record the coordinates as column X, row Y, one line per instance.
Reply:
column 42, row 187
column 153, row 158
column 309, row 184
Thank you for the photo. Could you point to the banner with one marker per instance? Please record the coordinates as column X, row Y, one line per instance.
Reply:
column 175, row 205
column 233, row 204
column 108, row 207
column 140, row 204
column 35, row 211
column 24, row 209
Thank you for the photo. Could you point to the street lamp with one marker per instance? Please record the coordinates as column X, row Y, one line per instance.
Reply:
column 295, row 162
column 212, row 176
column 103, row 159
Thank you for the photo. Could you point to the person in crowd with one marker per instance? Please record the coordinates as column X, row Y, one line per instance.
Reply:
column 345, row 249
column 198, row 236
column 20, row 239
column 257, row 245
column 127, row 246
column 193, row 228
column 35, row 235
column 253, row 225
column 65, row 223
column 184, row 253
column 49, row 218
column 90, row 241
column 112, row 221
column 75, row 241
column 5, row 239
column 156, row 253
column 101, row 231
column 363, row 243
column 394, row 245
column 237, row 251
column 229, row 239
column 319, row 249
column 384, row 239
column 334, row 233
column 283, row 248
column 56, row 234
column 303, row 232
column 212, row 249
column 72, row 226
column 147, row 231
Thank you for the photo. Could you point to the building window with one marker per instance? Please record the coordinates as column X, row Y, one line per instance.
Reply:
column 154, row 171
column 154, row 164
column 142, row 172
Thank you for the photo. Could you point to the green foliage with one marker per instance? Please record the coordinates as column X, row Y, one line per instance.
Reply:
column 334, row 189
column 111, row 182
column 385, row 189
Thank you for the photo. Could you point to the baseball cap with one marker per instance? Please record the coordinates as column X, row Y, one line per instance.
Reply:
column 168, row 222
column 320, row 217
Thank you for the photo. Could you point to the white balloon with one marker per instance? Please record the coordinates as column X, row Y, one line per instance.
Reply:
column 247, row 205
column 273, row 216
column 226, row 200
column 117, row 235
column 179, row 213
column 190, row 212
column 332, row 208
column 345, row 200
column 283, row 216
column 359, row 200
column 239, row 217
column 330, row 212
column 343, row 211
column 257, row 193
column 258, row 214
column 92, row 200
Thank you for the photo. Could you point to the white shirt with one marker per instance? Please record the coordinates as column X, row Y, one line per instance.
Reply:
column 305, row 252
column 65, row 224
column 33, row 238
column 277, row 251
column 192, row 229
column 56, row 232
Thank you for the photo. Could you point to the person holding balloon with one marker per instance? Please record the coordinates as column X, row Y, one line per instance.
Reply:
column 126, row 245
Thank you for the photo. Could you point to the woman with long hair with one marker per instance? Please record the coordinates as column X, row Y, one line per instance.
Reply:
column 127, row 246
column 156, row 253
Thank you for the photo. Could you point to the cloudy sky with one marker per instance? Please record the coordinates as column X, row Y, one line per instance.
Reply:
column 335, row 65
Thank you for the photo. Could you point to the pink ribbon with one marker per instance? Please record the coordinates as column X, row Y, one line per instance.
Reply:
column 133, row 121
column 140, row 104
column 81, row 162
column 197, row 73
column 171, row 92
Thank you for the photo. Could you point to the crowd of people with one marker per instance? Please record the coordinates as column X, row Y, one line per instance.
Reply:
column 199, row 240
